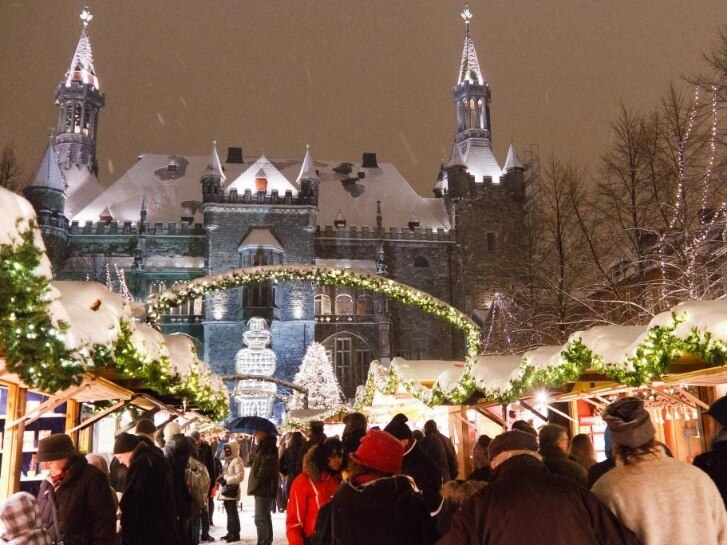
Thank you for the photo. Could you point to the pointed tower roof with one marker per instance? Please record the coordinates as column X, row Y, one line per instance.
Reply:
column 456, row 159
column 307, row 169
column 469, row 68
column 214, row 166
column 512, row 161
column 81, row 68
column 49, row 174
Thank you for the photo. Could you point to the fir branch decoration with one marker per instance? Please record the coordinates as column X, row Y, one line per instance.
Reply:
column 34, row 348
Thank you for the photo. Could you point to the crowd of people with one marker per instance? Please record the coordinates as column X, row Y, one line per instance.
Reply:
column 395, row 486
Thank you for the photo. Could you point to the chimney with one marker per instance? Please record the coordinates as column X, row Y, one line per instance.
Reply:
column 369, row 160
column 234, row 155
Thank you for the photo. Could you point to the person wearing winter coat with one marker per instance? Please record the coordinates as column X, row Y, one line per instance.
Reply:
column 353, row 432
column 554, row 450
column 148, row 516
column 455, row 494
column 77, row 492
column 233, row 473
column 20, row 519
column 263, row 484
column 313, row 488
column 481, row 460
column 177, row 450
column 662, row 499
column 439, row 447
column 525, row 504
column 714, row 461
column 291, row 461
column 377, row 504
column 417, row 464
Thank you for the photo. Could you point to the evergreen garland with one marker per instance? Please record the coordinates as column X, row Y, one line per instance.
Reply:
column 33, row 347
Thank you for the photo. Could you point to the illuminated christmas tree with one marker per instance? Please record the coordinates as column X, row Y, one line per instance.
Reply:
column 317, row 375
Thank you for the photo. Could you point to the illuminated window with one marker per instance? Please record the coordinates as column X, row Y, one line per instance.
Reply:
column 322, row 303
column 344, row 304
column 351, row 358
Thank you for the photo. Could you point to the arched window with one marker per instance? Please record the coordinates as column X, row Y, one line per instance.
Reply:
column 421, row 261
column 481, row 114
column 351, row 357
column 322, row 303
column 473, row 114
column 344, row 304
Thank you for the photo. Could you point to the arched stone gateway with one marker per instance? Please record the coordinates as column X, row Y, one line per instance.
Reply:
column 160, row 302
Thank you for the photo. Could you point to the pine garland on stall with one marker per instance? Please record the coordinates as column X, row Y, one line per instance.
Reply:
column 32, row 345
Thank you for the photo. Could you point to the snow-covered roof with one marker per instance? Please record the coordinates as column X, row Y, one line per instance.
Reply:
column 512, row 161
column 345, row 189
column 82, row 187
column 48, row 174
column 261, row 237
column 214, row 166
column 81, row 68
column 469, row 68
column 613, row 343
column 307, row 170
column 477, row 156
column 17, row 215
column 703, row 315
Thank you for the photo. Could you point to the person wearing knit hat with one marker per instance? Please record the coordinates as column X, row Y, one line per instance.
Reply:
column 78, row 492
column 553, row 444
column 148, row 515
column 646, row 487
column 418, row 464
column 714, row 461
column 376, row 504
column 555, row 510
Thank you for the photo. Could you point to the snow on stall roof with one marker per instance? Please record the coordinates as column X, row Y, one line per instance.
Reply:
column 425, row 370
column 355, row 196
column 495, row 373
column 182, row 352
column 544, row 357
column 613, row 343
column 93, row 312
column 16, row 218
column 148, row 341
column 702, row 315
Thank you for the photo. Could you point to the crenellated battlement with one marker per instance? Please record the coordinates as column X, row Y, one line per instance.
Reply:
column 391, row 233
column 132, row 228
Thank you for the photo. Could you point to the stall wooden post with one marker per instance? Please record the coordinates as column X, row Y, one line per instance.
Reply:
column 13, row 441
column 72, row 418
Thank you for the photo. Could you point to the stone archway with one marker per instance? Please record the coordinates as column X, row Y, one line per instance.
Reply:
column 158, row 303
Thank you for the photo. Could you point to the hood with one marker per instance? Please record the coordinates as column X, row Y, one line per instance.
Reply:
column 234, row 449
column 20, row 515
column 268, row 445
column 385, row 492
column 309, row 467
column 458, row 492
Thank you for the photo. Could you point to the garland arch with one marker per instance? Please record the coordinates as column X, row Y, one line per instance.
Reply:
column 160, row 302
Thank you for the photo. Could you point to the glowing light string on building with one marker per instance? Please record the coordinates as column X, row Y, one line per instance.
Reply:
column 159, row 303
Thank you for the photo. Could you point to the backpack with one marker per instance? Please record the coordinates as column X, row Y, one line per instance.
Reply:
column 197, row 479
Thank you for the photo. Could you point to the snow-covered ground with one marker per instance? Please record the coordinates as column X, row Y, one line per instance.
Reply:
column 248, row 532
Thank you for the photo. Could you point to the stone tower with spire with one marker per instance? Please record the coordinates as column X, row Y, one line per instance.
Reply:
column 485, row 202
column 79, row 101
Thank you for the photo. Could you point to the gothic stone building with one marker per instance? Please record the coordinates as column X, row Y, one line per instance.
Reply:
column 173, row 218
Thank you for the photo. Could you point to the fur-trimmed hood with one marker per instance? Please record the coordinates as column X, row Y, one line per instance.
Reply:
column 309, row 468
column 459, row 492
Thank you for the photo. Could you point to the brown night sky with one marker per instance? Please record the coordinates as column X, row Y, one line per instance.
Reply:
column 345, row 76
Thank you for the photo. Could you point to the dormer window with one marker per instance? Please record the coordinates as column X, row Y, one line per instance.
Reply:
column 340, row 221
column 261, row 184
column 172, row 166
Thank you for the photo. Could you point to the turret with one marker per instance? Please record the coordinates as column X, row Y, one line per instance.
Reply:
column 79, row 101
column 213, row 178
column 308, row 180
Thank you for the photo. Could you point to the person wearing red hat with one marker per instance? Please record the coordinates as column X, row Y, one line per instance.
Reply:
column 377, row 504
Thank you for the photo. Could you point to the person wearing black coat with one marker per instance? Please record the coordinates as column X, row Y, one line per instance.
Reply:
column 377, row 504
column 147, row 507
column 291, row 461
column 78, row 492
column 353, row 432
column 177, row 451
column 714, row 461
column 417, row 464
column 525, row 504
column 439, row 447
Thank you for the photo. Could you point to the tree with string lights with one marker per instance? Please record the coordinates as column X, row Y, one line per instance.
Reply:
column 316, row 374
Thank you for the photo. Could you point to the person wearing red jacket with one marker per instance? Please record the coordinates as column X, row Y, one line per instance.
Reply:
column 313, row 488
